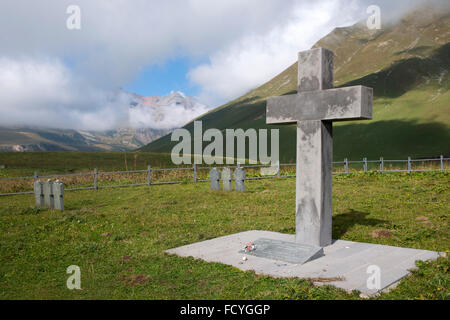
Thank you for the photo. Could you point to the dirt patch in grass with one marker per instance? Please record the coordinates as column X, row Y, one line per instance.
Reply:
column 381, row 233
column 133, row 280
column 425, row 221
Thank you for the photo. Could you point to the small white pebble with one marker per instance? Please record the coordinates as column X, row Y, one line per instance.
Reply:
column 244, row 258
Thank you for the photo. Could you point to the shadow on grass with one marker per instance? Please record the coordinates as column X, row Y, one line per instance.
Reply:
column 345, row 221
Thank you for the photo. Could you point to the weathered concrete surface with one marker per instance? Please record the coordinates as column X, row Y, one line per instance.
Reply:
column 214, row 176
column 39, row 193
column 346, row 259
column 239, row 177
column 313, row 182
column 341, row 104
column 314, row 108
column 48, row 194
column 315, row 70
column 58, row 195
column 285, row 251
column 227, row 176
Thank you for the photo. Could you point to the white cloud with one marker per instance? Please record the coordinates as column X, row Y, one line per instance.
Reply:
column 56, row 77
column 118, row 38
column 164, row 118
column 254, row 59
column 45, row 93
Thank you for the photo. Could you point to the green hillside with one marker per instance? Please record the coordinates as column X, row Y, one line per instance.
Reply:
column 407, row 64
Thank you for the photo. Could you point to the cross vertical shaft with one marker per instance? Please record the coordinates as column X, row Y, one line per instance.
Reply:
column 314, row 108
column 314, row 155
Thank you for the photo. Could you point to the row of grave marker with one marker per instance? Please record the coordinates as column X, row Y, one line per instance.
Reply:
column 227, row 176
column 49, row 194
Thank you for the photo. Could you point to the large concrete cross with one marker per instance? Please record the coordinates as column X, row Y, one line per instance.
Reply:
column 314, row 108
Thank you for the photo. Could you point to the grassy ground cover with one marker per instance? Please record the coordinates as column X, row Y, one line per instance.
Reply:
column 118, row 238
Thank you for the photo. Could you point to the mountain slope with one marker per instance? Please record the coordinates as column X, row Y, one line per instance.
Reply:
column 407, row 64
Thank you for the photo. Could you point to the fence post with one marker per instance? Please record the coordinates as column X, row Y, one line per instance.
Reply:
column 442, row 163
column 278, row 169
column 194, row 166
column 35, row 177
column 95, row 179
column 381, row 164
column 409, row 164
column 365, row 164
column 346, row 165
column 149, row 179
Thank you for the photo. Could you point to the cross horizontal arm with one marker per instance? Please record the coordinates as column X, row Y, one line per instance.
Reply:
column 349, row 103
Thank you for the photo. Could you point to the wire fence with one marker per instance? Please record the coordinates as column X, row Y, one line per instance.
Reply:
column 94, row 180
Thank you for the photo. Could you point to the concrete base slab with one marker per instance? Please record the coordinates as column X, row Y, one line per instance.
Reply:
column 344, row 263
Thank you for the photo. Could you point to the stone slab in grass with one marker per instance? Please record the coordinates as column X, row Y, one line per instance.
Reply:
column 284, row 251
column 344, row 263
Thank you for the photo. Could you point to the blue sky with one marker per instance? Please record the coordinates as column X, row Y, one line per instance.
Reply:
column 161, row 79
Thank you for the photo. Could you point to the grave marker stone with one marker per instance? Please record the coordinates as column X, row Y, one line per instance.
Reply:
column 239, row 177
column 214, row 176
column 39, row 193
column 58, row 195
column 226, row 179
column 48, row 194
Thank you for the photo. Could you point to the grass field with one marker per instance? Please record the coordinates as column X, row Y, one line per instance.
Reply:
column 25, row 163
column 118, row 238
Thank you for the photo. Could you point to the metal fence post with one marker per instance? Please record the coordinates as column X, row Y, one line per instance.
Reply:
column 346, row 165
column 95, row 178
column 442, row 163
column 365, row 164
column 194, row 166
column 409, row 164
column 149, row 179
column 381, row 164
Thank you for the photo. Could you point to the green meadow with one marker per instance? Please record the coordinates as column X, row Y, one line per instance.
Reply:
column 118, row 236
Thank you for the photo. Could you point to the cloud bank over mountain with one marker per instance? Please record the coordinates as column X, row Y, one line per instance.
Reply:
column 56, row 77
column 46, row 93
column 171, row 111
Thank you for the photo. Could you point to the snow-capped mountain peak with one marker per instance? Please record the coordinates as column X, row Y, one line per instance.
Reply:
column 165, row 112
